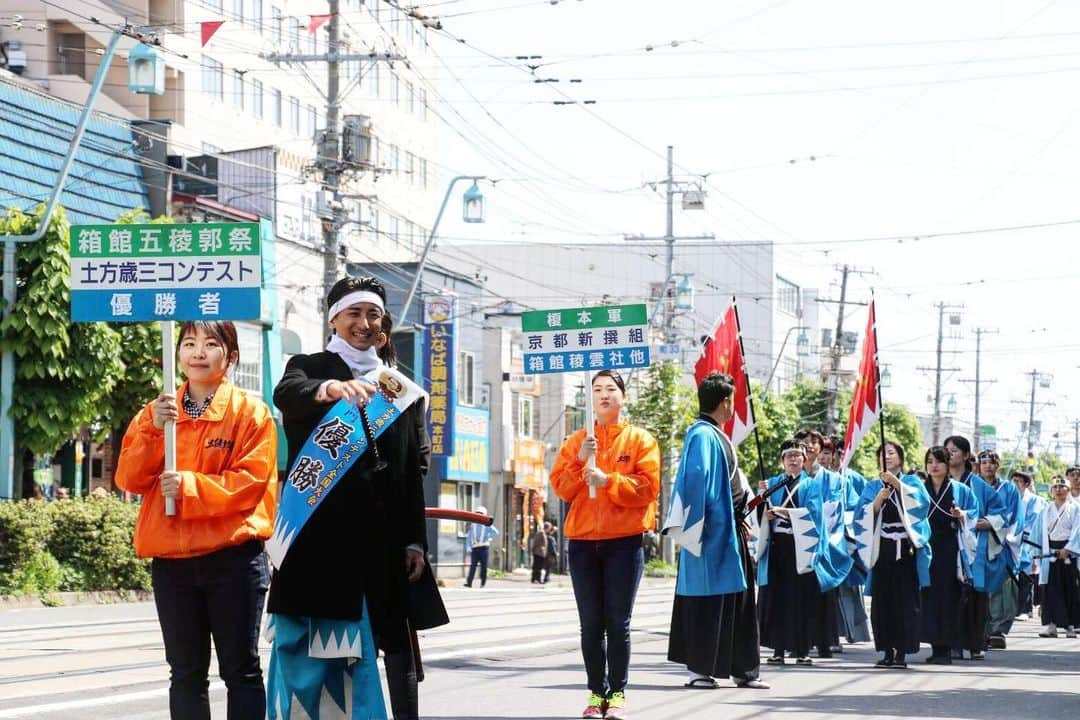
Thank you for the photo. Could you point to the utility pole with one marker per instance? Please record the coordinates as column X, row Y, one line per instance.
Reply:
column 329, row 151
column 329, row 162
column 938, row 370
column 666, row 302
column 837, row 350
column 1076, row 442
column 978, row 381
column 1036, row 378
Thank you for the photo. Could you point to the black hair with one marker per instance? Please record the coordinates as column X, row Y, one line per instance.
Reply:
column 938, row 452
column 221, row 330
column 962, row 444
column 1023, row 476
column 714, row 389
column 346, row 285
column 388, row 353
column 792, row 444
column 899, row 451
column 615, row 376
column 1073, row 469
column 805, row 433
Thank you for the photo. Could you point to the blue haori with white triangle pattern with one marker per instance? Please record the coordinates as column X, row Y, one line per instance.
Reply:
column 322, row 669
column 337, row 442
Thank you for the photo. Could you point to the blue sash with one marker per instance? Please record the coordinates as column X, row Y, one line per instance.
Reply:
column 337, row 442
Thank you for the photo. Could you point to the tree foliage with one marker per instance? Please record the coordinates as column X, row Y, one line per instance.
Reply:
column 777, row 419
column 65, row 371
column 665, row 406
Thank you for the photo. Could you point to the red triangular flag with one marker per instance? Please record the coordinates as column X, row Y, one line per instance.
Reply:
column 866, row 400
column 723, row 353
column 316, row 22
column 209, row 28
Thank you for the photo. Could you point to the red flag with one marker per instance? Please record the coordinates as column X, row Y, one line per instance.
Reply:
column 723, row 353
column 866, row 400
column 317, row 22
column 209, row 28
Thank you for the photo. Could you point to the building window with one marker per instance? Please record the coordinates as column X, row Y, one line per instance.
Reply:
column 313, row 42
column 787, row 296
column 257, row 15
column 212, row 4
column 257, row 98
column 294, row 115
column 212, row 81
column 238, row 10
column 410, row 98
column 392, row 231
column 423, row 103
column 312, row 121
column 248, row 372
column 394, row 158
column 277, row 26
column 466, row 500
column 423, row 173
column 395, row 88
column 238, row 89
column 294, row 35
column 525, row 416
column 466, row 379
column 410, row 166
column 275, row 107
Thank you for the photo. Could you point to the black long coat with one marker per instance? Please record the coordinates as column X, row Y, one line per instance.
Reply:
column 353, row 547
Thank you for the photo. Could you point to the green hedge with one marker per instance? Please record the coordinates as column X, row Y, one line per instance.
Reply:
column 69, row 545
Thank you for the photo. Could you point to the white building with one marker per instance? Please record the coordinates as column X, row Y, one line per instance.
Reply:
column 240, row 129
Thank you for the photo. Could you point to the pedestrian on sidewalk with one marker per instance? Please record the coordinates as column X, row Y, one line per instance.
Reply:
column 539, row 547
column 209, row 571
column 605, row 533
column 478, row 546
column 714, row 618
column 553, row 550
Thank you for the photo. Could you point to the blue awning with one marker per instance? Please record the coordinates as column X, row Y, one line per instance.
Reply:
column 35, row 131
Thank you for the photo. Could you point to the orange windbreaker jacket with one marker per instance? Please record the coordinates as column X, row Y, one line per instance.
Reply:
column 227, row 461
column 626, row 505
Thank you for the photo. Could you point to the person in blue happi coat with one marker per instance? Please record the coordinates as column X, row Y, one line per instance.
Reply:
column 1003, row 553
column 713, row 624
column 1027, row 577
column 982, row 538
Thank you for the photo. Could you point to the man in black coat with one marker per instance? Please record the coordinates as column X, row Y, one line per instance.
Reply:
column 367, row 539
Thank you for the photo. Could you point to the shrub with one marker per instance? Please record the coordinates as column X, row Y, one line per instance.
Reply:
column 659, row 568
column 92, row 539
column 23, row 530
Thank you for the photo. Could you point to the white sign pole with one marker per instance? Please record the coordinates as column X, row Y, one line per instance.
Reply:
column 168, row 369
column 591, row 461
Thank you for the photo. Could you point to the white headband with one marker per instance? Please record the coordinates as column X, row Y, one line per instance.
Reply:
column 352, row 298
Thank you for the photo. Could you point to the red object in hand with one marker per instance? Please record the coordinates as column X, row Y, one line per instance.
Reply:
column 459, row 515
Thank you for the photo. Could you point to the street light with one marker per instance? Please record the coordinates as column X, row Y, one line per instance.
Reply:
column 886, row 377
column 472, row 212
column 800, row 347
column 684, row 294
column 472, row 209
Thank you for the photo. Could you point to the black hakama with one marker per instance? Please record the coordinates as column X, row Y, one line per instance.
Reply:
column 941, row 601
column 895, row 603
column 1061, row 594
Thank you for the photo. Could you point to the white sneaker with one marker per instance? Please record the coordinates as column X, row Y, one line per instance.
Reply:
column 1023, row 616
column 1070, row 632
column 1048, row 631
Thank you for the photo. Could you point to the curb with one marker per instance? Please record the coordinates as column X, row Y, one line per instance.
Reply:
column 66, row 599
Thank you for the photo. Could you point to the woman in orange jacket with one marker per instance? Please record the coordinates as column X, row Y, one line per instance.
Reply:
column 605, row 551
column 209, row 570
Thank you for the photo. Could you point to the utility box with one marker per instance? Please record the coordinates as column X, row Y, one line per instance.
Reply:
column 356, row 139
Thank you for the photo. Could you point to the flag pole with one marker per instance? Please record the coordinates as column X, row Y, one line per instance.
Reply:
column 877, row 380
column 749, row 394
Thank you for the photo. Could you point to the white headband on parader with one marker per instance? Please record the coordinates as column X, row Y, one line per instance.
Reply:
column 357, row 296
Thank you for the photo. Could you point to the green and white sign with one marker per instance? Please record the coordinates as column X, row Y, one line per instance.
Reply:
column 590, row 338
column 199, row 271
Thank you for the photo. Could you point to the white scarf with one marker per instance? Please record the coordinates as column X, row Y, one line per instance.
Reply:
column 361, row 362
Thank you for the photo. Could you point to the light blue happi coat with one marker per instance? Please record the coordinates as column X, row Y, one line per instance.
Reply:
column 1040, row 532
column 984, row 572
column 829, row 506
column 805, row 525
column 1032, row 507
column 915, row 510
column 322, row 668
column 702, row 519
column 1003, row 553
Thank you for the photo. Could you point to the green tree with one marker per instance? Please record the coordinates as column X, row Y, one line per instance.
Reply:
column 65, row 371
column 664, row 405
column 776, row 418
column 901, row 426
column 1047, row 465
